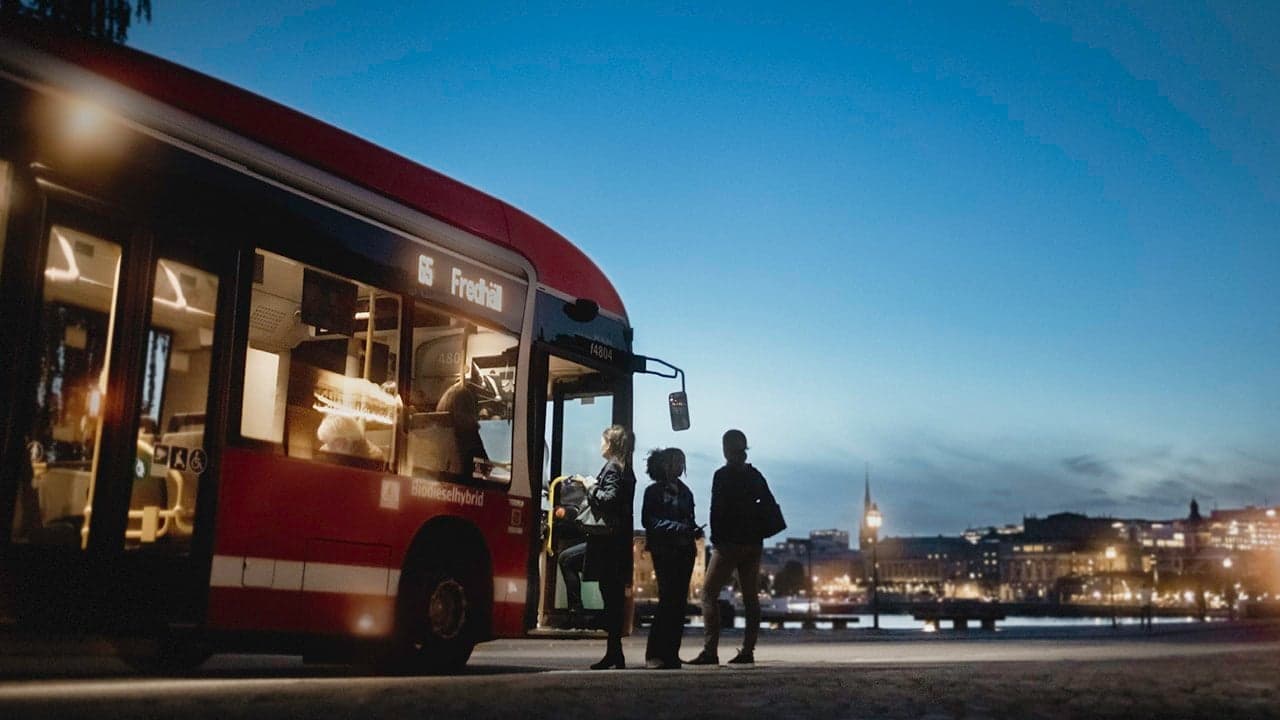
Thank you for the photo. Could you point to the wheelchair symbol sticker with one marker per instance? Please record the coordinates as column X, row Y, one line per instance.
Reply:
column 198, row 461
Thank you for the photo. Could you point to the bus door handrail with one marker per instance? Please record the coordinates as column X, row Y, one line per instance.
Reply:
column 551, row 516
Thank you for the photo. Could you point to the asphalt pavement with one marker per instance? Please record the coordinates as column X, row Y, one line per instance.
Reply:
column 1215, row 670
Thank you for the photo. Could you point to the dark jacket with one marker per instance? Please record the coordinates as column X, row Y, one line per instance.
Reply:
column 667, row 515
column 733, row 497
column 614, row 496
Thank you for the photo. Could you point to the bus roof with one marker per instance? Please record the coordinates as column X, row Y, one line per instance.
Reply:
column 560, row 264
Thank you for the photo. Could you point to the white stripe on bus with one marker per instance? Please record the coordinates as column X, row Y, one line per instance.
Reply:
column 268, row 574
column 350, row 579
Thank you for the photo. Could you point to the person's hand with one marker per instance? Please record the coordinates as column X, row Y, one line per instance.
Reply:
column 559, row 513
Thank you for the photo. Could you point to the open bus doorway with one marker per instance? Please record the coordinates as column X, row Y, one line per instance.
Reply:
column 580, row 405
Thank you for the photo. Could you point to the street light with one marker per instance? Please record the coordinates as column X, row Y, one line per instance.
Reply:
column 1229, row 594
column 874, row 521
column 1111, row 581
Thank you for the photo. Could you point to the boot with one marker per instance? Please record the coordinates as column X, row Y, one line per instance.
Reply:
column 613, row 657
column 610, row 661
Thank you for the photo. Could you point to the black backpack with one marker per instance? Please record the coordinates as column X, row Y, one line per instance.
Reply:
column 766, row 515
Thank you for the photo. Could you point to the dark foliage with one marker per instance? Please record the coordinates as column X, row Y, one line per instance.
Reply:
column 103, row 19
column 791, row 580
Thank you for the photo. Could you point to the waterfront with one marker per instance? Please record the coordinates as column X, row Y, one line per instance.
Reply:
column 904, row 621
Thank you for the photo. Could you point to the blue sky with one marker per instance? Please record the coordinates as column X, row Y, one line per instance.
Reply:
column 1019, row 258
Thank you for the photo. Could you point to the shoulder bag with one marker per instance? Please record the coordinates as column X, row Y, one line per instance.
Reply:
column 768, row 520
column 591, row 521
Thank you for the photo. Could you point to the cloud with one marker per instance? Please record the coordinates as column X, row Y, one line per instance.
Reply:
column 927, row 483
column 1089, row 465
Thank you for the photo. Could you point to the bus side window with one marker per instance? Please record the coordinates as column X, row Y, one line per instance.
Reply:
column 74, row 356
column 321, row 366
column 175, row 390
column 461, row 398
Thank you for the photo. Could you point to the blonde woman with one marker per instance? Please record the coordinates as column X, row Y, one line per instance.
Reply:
column 608, row 559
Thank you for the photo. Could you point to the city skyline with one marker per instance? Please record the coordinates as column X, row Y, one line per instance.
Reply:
column 1020, row 259
column 857, row 531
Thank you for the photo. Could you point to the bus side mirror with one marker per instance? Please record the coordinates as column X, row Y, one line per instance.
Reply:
column 679, row 403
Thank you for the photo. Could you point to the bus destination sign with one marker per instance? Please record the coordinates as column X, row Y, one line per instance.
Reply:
column 470, row 287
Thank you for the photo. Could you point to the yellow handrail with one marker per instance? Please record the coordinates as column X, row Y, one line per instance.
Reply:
column 551, row 516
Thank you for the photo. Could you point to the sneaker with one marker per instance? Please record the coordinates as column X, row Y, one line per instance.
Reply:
column 744, row 657
column 704, row 658
column 653, row 664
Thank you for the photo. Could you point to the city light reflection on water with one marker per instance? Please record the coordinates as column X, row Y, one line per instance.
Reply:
column 906, row 622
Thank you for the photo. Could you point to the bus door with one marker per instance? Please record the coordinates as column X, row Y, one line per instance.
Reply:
column 580, row 403
column 112, row 404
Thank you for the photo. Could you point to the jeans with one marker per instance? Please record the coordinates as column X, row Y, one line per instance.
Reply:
column 673, row 566
column 570, row 561
column 726, row 559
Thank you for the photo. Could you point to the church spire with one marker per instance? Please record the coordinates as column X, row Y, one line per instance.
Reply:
column 864, row 533
column 866, row 496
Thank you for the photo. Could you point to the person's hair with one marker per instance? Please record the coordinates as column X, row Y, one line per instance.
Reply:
column 655, row 464
column 735, row 445
column 617, row 442
column 660, row 464
column 674, row 455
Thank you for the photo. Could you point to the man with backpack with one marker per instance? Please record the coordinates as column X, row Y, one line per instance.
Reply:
column 743, row 513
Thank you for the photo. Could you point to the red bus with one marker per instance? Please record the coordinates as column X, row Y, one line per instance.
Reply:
column 269, row 386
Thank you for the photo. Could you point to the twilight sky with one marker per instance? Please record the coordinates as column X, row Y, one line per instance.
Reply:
column 1019, row 258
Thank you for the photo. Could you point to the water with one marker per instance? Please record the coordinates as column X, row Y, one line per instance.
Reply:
column 902, row 621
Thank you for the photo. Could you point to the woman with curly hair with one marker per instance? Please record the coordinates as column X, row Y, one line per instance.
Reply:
column 670, row 537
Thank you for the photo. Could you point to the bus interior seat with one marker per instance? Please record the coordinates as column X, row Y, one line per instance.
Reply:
column 432, row 444
column 62, row 493
column 181, row 422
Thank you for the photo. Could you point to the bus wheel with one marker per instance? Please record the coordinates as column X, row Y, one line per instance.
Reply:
column 438, row 612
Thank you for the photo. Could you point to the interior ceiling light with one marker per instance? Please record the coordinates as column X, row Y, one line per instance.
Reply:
column 85, row 120
column 180, row 301
column 72, row 272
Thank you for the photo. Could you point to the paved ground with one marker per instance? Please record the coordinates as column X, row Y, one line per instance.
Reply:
column 1187, row 671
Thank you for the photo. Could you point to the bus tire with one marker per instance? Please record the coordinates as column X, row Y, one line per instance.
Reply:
column 438, row 616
